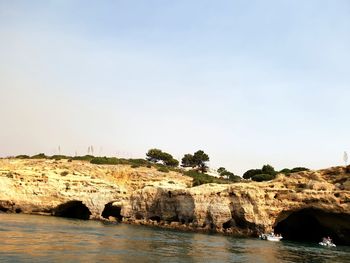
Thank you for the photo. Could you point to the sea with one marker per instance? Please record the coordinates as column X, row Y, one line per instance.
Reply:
column 32, row 238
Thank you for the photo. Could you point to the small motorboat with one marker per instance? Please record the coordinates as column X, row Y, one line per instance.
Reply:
column 274, row 238
column 327, row 242
column 270, row 237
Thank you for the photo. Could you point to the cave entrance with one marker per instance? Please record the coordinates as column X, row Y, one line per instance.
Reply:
column 73, row 209
column 230, row 223
column 311, row 225
column 112, row 210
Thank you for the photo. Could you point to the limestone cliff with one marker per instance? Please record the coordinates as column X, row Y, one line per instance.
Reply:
column 302, row 206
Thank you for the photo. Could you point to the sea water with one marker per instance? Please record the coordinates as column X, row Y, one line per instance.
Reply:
column 28, row 238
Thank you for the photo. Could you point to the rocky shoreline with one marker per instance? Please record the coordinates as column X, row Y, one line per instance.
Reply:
column 309, row 202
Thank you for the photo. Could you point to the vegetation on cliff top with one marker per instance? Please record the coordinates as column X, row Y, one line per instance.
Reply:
column 56, row 157
column 198, row 160
column 202, row 178
column 287, row 171
column 164, row 162
column 227, row 174
column 156, row 155
column 267, row 173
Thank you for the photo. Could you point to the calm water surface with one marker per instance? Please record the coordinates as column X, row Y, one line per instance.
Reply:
column 27, row 238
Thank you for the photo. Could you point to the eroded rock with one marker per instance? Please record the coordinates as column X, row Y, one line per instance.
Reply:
column 145, row 196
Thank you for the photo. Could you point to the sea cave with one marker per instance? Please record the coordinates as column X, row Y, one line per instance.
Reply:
column 72, row 209
column 311, row 225
column 113, row 211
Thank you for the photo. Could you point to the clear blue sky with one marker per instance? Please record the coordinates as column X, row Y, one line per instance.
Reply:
column 249, row 82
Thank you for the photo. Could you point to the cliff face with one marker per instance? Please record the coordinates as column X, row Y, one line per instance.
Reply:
column 304, row 206
column 39, row 186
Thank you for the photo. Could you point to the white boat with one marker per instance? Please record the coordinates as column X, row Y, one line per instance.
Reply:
column 273, row 238
column 327, row 243
column 270, row 237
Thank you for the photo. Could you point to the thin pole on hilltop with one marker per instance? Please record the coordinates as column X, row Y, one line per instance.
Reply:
column 345, row 157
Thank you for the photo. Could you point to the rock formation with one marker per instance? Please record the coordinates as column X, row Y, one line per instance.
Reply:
column 302, row 206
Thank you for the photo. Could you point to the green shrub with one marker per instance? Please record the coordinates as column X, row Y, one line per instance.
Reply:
column 83, row 158
column 59, row 157
column 39, row 156
column 163, row 169
column 299, row 169
column 23, row 156
column 285, row 171
column 235, row 178
column 139, row 162
column 134, row 163
column 263, row 177
column 105, row 160
column 199, row 178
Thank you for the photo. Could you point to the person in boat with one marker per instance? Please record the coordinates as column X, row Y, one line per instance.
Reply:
column 326, row 240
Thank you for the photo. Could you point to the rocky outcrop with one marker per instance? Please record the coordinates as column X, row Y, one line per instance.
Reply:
column 41, row 186
column 302, row 206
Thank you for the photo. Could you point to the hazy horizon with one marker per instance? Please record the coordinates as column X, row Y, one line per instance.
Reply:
column 248, row 82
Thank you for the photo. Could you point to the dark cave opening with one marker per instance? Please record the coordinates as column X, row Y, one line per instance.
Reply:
column 230, row 223
column 138, row 216
column 311, row 225
column 3, row 209
column 155, row 218
column 73, row 209
column 112, row 210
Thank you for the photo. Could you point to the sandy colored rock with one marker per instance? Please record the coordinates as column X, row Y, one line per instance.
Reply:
column 147, row 196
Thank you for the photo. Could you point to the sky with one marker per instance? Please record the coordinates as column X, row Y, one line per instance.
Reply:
column 249, row 82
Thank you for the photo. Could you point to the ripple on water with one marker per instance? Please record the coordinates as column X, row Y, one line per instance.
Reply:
column 41, row 239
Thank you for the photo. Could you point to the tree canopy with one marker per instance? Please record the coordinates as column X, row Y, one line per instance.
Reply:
column 156, row 155
column 268, row 169
column 250, row 173
column 187, row 161
column 228, row 175
column 287, row 171
column 198, row 159
column 266, row 173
